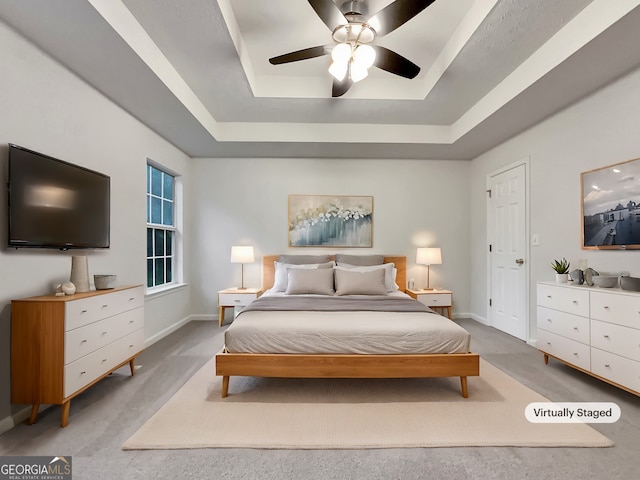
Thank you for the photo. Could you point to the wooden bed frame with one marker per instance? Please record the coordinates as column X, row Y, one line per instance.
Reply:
column 346, row 365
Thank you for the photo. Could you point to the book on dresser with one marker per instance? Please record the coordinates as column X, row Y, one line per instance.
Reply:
column 595, row 330
column 60, row 346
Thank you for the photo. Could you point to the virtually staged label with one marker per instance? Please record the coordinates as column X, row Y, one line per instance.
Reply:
column 572, row 412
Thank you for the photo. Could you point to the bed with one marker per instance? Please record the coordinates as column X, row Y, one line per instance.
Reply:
column 313, row 333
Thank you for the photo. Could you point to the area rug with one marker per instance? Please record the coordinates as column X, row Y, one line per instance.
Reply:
column 274, row 413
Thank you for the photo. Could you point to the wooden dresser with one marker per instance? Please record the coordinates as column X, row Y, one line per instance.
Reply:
column 60, row 346
column 595, row 330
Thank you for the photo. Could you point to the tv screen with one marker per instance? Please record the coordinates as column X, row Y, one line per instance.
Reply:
column 55, row 204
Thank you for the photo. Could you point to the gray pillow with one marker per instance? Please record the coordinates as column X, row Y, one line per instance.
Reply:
column 302, row 281
column 351, row 282
column 359, row 260
column 303, row 259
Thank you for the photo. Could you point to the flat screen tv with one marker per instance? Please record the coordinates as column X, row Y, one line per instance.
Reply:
column 55, row 204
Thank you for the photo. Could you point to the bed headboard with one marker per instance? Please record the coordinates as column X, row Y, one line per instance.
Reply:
column 269, row 270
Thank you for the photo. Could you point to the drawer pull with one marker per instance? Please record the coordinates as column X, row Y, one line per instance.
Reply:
column 83, row 372
column 237, row 301
column 606, row 307
column 132, row 298
column 548, row 296
column 575, row 354
column 606, row 336
column 607, row 365
column 549, row 343
column 105, row 305
column 575, row 328
column 104, row 333
column 549, row 320
column 131, row 321
column 104, row 360
column 575, row 302
column 131, row 346
column 84, row 341
column 83, row 311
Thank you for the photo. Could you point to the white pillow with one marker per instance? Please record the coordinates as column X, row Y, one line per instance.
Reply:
column 280, row 276
column 389, row 277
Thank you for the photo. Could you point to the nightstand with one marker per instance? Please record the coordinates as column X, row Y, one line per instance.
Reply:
column 235, row 297
column 436, row 299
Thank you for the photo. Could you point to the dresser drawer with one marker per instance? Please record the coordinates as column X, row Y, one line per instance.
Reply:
column 616, row 368
column 623, row 341
column 85, row 370
column 616, row 308
column 565, row 299
column 435, row 299
column 236, row 299
column 88, row 310
column 565, row 324
column 568, row 350
column 84, row 340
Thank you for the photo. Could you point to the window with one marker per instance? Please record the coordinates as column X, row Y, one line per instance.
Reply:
column 162, row 230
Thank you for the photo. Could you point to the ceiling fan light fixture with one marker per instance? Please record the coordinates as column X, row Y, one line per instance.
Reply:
column 358, row 72
column 338, row 70
column 341, row 53
column 364, row 55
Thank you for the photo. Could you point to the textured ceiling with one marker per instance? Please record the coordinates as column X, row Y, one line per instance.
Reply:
column 197, row 72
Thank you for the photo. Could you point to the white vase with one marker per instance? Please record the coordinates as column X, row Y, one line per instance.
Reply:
column 562, row 277
column 80, row 273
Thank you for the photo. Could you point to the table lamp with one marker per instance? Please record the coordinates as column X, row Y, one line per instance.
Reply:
column 428, row 256
column 241, row 254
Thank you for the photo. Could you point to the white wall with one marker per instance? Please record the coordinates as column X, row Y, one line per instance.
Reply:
column 596, row 132
column 46, row 108
column 245, row 201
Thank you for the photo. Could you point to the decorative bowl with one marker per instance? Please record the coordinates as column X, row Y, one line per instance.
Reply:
column 630, row 283
column 104, row 282
column 605, row 281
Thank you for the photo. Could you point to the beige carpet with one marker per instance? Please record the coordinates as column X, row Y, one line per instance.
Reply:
column 345, row 413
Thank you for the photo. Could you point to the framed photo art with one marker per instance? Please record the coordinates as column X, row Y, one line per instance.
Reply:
column 330, row 221
column 611, row 207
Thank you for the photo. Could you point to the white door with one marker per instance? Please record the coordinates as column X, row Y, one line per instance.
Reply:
column 507, row 230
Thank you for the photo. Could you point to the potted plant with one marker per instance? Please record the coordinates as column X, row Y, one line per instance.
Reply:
column 562, row 270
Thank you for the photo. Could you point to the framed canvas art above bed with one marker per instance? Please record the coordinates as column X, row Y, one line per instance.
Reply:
column 330, row 221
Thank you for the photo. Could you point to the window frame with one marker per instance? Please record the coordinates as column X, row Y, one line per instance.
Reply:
column 175, row 228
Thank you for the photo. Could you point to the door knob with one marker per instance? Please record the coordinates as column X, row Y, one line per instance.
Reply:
column 520, row 261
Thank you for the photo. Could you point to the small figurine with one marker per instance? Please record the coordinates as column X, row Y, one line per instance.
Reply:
column 577, row 276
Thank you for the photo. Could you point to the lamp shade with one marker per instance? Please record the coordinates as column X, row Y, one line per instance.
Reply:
column 241, row 254
column 428, row 256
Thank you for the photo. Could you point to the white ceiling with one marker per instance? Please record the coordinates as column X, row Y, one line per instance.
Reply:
column 197, row 71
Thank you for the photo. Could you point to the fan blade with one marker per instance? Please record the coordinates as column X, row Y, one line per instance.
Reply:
column 396, row 14
column 394, row 63
column 341, row 87
column 303, row 54
column 329, row 13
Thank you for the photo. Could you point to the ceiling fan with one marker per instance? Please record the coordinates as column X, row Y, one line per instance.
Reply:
column 353, row 33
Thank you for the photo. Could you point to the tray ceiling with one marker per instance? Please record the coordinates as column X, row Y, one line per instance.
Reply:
column 197, row 72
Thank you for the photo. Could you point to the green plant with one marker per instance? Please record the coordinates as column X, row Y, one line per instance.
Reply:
column 561, row 266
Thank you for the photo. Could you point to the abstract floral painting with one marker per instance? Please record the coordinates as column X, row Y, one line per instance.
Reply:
column 330, row 221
